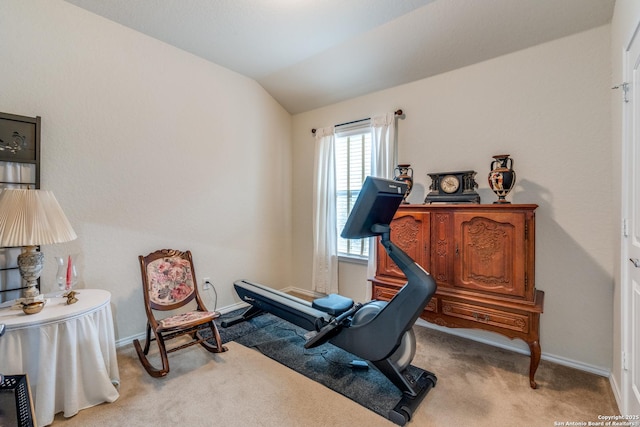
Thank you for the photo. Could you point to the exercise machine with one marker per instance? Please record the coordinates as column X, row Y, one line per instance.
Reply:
column 379, row 332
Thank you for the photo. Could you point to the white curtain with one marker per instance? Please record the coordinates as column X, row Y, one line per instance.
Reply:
column 325, row 239
column 383, row 150
column 383, row 159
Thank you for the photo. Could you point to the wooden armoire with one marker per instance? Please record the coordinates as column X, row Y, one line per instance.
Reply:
column 483, row 260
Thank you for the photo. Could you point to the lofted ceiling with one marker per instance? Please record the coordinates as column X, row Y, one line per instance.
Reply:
column 312, row 53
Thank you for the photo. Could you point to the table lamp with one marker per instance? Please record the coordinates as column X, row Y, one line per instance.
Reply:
column 30, row 218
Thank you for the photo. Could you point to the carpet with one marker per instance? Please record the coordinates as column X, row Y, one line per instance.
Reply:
column 325, row 364
column 238, row 388
column 478, row 385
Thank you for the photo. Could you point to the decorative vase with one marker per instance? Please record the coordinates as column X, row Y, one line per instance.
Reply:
column 404, row 173
column 502, row 177
column 67, row 274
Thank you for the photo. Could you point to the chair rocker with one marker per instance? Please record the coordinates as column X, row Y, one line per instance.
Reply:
column 169, row 283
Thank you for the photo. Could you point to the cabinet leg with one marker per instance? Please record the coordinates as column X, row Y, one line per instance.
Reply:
column 534, row 347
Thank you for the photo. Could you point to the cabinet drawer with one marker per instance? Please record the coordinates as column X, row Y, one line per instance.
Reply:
column 385, row 294
column 487, row 316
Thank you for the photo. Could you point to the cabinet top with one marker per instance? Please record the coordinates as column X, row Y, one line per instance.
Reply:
column 471, row 206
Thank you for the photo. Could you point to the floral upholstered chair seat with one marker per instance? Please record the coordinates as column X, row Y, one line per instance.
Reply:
column 185, row 319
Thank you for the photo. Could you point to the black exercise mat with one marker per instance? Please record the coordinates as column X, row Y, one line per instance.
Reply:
column 325, row 364
column 243, row 328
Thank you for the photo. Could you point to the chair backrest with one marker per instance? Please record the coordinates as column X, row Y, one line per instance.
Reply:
column 168, row 279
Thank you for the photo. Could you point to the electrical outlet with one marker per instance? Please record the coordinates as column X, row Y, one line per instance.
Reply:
column 206, row 283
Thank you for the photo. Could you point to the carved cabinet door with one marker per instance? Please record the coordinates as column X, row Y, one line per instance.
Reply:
column 490, row 253
column 409, row 231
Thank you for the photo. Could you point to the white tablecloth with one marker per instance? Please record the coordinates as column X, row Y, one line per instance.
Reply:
column 68, row 351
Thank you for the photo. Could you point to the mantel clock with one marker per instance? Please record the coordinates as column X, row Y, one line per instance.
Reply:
column 453, row 187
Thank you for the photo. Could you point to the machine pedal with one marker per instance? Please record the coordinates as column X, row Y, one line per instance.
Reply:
column 359, row 365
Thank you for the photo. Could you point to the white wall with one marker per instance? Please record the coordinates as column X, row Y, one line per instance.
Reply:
column 626, row 18
column 148, row 147
column 547, row 106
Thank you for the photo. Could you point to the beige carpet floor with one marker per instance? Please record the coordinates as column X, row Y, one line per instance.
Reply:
column 478, row 385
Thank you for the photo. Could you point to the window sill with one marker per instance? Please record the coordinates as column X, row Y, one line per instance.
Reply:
column 353, row 259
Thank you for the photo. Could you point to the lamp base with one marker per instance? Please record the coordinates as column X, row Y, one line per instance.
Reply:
column 30, row 264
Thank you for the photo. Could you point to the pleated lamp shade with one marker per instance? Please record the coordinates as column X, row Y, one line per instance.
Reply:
column 31, row 218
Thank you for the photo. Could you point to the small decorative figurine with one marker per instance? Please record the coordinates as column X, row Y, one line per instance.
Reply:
column 71, row 297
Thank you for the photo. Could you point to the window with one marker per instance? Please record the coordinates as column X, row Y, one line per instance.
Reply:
column 353, row 165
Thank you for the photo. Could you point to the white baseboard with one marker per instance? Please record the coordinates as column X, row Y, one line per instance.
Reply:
column 141, row 336
column 518, row 347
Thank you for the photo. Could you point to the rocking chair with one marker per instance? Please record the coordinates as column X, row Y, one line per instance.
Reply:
column 169, row 283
